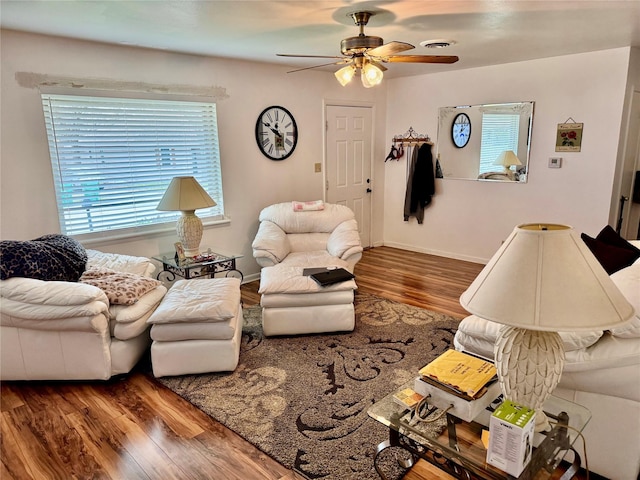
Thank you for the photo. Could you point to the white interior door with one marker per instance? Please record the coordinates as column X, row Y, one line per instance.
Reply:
column 348, row 162
column 631, row 213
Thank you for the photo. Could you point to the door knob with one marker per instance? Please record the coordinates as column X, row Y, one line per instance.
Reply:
column 368, row 190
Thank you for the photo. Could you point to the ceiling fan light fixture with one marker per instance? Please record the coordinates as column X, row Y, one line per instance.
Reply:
column 345, row 74
column 371, row 75
column 358, row 52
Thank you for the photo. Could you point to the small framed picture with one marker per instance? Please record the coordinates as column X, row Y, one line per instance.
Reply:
column 569, row 137
column 180, row 256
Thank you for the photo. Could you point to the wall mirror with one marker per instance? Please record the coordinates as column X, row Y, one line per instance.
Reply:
column 485, row 142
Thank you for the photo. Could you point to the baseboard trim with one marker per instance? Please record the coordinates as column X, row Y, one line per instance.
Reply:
column 439, row 253
column 251, row 277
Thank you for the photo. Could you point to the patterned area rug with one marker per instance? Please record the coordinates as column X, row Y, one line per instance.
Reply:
column 303, row 400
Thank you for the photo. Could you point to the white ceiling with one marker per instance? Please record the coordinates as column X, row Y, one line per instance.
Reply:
column 487, row 32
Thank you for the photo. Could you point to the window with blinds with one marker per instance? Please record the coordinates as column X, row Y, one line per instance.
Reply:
column 499, row 133
column 113, row 158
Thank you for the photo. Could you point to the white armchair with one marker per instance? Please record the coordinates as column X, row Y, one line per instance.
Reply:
column 303, row 238
column 289, row 240
column 61, row 330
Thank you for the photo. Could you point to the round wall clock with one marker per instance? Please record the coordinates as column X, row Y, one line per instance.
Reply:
column 461, row 130
column 276, row 133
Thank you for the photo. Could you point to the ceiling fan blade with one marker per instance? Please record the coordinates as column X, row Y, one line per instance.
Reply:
column 422, row 59
column 305, row 56
column 341, row 62
column 379, row 65
column 390, row 48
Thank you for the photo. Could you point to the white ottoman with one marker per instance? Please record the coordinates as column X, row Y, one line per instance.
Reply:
column 295, row 304
column 197, row 328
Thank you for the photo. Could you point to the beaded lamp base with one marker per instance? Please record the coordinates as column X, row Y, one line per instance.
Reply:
column 529, row 364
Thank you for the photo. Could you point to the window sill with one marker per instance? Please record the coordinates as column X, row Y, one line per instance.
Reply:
column 143, row 232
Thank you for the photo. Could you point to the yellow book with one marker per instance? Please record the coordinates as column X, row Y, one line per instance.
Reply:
column 461, row 371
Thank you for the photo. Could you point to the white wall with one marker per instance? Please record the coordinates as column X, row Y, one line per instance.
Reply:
column 469, row 219
column 589, row 88
column 251, row 181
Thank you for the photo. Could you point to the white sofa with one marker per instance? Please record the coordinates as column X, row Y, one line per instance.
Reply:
column 62, row 330
column 602, row 372
column 288, row 241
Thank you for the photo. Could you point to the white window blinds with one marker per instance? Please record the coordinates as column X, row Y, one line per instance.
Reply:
column 113, row 158
column 499, row 133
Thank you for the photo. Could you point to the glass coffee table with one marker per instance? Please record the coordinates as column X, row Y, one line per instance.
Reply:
column 459, row 450
column 206, row 265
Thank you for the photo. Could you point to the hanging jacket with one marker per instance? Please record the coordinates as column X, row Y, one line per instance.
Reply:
column 420, row 183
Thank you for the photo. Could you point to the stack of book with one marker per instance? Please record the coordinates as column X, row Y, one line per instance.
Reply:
column 459, row 374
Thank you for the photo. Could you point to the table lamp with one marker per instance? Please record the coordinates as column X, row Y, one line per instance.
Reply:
column 542, row 280
column 507, row 159
column 185, row 194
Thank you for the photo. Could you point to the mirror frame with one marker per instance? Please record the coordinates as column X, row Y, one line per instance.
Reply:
column 464, row 163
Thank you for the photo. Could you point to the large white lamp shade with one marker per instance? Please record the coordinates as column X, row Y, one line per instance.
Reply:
column 186, row 195
column 542, row 280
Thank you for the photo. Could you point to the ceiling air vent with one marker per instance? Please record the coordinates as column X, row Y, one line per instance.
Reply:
column 439, row 43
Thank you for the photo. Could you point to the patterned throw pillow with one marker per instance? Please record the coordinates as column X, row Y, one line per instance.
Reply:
column 121, row 288
column 50, row 257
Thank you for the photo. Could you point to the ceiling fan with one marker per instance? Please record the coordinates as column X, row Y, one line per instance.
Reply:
column 368, row 53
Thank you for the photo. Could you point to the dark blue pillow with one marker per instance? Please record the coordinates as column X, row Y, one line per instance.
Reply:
column 50, row 257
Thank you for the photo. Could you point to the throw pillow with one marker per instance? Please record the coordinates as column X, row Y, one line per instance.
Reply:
column 308, row 206
column 611, row 257
column 609, row 236
column 50, row 257
column 121, row 288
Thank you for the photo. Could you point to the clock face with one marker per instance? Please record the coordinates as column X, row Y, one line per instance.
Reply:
column 461, row 130
column 276, row 133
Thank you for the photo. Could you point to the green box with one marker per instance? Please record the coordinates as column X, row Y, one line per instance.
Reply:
column 511, row 430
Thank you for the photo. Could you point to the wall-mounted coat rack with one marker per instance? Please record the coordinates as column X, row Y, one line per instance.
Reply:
column 411, row 137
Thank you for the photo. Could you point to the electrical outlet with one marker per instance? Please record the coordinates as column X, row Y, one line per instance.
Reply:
column 318, row 167
column 555, row 162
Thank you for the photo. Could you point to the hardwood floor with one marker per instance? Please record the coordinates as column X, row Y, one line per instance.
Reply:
column 133, row 428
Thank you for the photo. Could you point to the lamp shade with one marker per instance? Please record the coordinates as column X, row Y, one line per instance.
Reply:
column 345, row 74
column 545, row 278
column 185, row 194
column 371, row 75
column 507, row 158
